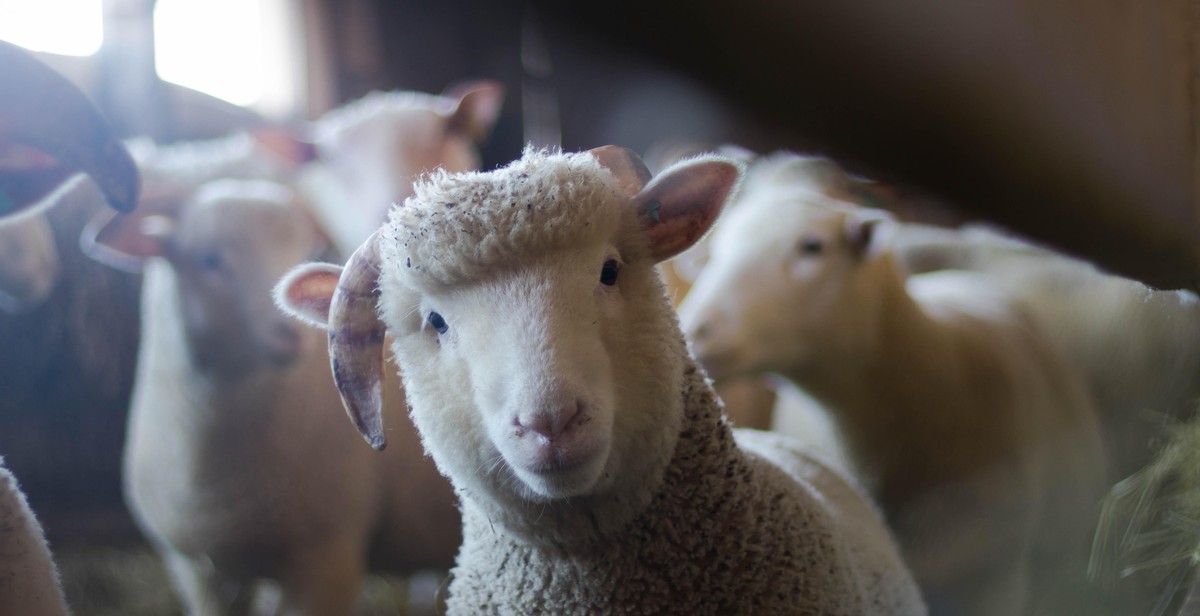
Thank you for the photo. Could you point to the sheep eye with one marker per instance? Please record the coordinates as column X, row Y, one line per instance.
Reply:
column 811, row 246
column 438, row 323
column 608, row 273
column 210, row 261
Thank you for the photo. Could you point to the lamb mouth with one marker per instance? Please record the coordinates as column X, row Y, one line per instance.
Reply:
column 559, row 460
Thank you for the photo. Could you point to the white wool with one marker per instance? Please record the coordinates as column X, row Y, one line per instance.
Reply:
column 973, row 431
column 490, row 286
column 239, row 464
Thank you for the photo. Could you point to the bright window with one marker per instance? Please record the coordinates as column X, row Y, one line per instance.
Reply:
column 40, row 25
column 242, row 51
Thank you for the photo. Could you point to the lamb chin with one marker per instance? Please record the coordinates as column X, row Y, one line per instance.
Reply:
column 553, row 471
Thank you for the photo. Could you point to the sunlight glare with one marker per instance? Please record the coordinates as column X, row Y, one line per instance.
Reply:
column 214, row 46
column 40, row 25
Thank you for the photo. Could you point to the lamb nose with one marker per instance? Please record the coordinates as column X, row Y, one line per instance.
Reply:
column 553, row 423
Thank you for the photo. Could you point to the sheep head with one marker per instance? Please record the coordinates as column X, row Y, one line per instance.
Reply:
column 785, row 243
column 226, row 246
column 376, row 147
column 536, row 345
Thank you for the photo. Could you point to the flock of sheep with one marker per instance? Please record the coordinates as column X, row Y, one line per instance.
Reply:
column 549, row 427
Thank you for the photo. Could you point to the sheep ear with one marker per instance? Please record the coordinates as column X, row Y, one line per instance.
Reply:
column 680, row 205
column 478, row 108
column 125, row 241
column 306, row 292
column 625, row 165
column 288, row 147
column 867, row 230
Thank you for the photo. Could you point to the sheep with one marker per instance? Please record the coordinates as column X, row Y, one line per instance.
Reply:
column 979, row 440
column 1135, row 346
column 367, row 153
column 1131, row 343
column 549, row 381
column 236, row 466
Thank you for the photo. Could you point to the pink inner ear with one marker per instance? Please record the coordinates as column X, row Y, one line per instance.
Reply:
column 124, row 241
column 680, row 206
column 311, row 293
column 625, row 165
column 286, row 146
column 478, row 108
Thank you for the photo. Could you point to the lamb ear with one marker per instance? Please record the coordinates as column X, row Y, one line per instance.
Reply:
column 306, row 292
column 291, row 148
column 625, row 165
column 125, row 241
column 867, row 230
column 478, row 108
column 356, row 342
column 680, row 205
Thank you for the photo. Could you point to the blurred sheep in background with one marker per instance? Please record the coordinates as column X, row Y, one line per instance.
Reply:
column 48, row 133
column 239, row 465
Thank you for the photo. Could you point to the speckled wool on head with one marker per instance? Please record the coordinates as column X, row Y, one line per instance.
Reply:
column 458, row 225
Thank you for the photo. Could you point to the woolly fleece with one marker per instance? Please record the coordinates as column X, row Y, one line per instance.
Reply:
column 729, row 531
column 702, row 527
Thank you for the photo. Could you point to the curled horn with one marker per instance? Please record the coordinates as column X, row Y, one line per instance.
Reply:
column 356, row 342
column 625, row 165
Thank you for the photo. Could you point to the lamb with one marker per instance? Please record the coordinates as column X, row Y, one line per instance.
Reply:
column 975, row 434
column 237, row 466
column 368, row 153
column 549, row 381
column 1136, row 347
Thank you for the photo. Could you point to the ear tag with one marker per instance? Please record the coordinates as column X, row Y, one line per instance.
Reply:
column 653, row 210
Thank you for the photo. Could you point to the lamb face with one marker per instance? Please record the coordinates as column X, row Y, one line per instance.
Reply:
column 226, row 247
column 233, row 241
column 787, row 248
column 538, row 325
column 539, row 353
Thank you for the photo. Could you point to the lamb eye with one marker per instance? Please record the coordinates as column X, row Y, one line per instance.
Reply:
column 210, row 261
column 438, row 323
column 811, row 246
column 608, row 273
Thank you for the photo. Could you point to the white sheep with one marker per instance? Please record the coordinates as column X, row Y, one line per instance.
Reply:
column 549, row 380
column 974, row 433
column 238, row 465
column 369, row 152
column 1137, row 348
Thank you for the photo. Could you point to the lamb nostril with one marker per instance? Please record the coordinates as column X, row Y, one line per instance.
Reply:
column 553, row 424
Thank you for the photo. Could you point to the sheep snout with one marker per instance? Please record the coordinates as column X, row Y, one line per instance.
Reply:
column 551, row 423
column 559, row 449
